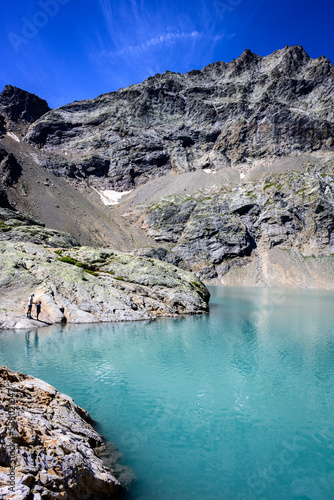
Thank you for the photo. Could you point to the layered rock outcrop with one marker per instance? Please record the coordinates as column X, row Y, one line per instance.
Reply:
column 279, row 229
column 49, row 448
column 226, row 115
column 87, row 285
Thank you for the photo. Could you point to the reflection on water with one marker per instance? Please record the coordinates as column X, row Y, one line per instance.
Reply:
column 237, row 404
column 32, row 340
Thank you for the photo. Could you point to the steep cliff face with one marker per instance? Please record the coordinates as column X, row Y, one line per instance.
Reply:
column 227, row 115
column 18, row 109
column 225, row 233
column 17, row 104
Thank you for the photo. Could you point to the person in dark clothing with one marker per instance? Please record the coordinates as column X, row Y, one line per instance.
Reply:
column 38, row 308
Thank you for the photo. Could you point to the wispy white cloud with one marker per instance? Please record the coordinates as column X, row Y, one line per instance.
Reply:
column 107, row 12
column 139, row 38
column 158, row 41
column 129, row 22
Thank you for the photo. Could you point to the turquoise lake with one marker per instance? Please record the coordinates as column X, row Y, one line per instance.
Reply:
column 234, row 405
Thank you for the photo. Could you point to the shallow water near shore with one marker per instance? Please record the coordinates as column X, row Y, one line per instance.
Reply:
column 237, row 404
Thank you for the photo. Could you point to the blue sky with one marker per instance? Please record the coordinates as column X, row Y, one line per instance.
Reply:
column 66, row 50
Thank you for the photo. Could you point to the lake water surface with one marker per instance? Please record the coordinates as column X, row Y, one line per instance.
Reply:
column 235, row 405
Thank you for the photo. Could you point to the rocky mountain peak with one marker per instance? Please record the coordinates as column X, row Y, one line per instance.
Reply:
column 245, row 62
column 297, row 52
column 294, row 57
column 225, row 115
column 17, row 104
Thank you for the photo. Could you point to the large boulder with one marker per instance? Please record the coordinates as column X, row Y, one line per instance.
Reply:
column 87, row 285
column 49, row 447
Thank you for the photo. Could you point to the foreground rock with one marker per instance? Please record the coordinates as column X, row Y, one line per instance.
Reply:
column 87, row 285
column 49, row 447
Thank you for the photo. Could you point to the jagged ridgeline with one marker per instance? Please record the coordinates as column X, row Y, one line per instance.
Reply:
column 230, row 168
column 224, row 115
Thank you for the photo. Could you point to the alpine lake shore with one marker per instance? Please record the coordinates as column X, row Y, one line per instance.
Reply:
column 226, row 176
column 49, row 448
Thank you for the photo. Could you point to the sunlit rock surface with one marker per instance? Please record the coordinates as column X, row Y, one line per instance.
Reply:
column 50, row 444
column 226, row 115
column 87, row 285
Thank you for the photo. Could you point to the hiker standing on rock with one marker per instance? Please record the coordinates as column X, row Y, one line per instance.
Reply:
column 38, row 308
column 30, row 303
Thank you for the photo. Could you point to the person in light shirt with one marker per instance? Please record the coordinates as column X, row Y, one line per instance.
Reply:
column 30, row 303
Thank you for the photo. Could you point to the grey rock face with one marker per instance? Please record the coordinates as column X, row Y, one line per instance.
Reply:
column 224, row 115
column 214, row 231
column 19, row 105
column 50, row 443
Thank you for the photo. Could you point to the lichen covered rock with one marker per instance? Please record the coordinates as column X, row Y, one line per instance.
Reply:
column 87, row 285
column 17, row 227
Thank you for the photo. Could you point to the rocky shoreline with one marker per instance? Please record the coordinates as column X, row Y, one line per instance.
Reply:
column 84, row 284
column 49, row 448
